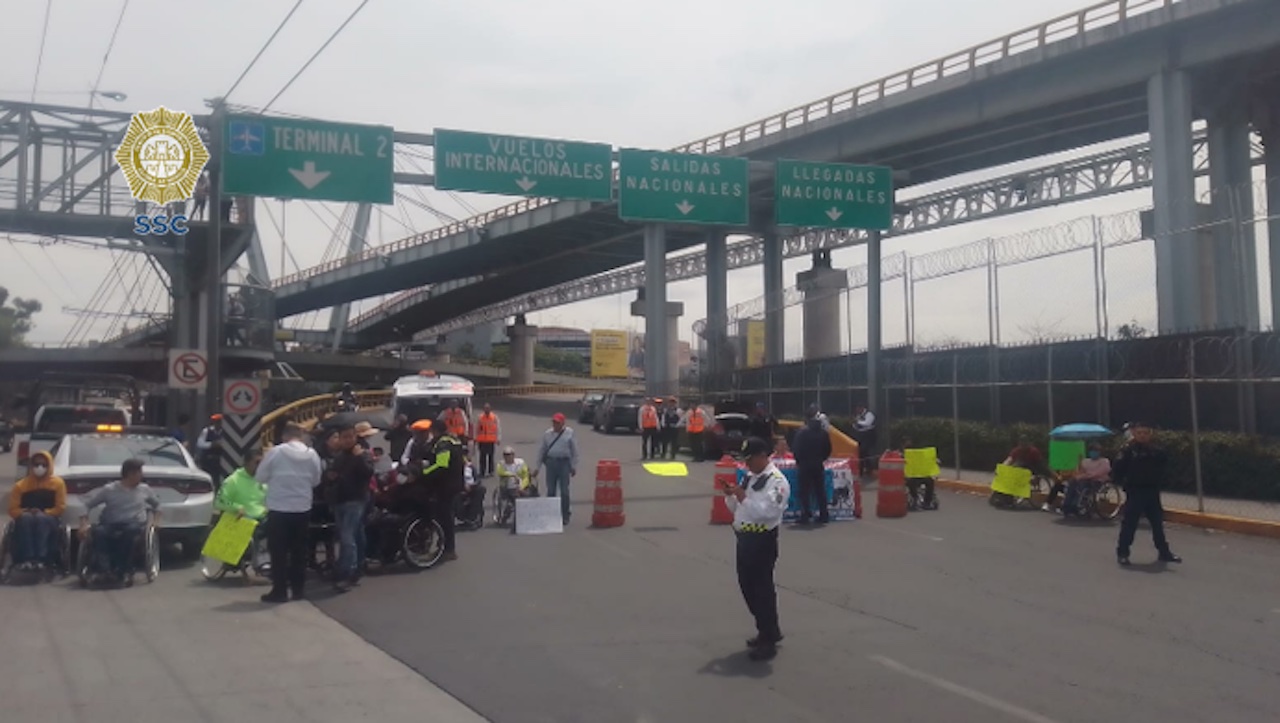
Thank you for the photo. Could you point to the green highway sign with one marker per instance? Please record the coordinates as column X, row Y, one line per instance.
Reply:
column 833, row 195
column 519, row 166
column 288, row 158
column 682, row 188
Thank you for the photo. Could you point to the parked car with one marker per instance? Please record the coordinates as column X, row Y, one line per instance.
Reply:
column 727, row 434
column 590, row 400
column 89, row 460
column 618, row 409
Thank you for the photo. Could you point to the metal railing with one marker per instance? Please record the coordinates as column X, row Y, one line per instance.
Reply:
column 1033, row 38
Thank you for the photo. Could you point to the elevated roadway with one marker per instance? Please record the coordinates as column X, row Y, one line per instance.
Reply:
column 1071, row 82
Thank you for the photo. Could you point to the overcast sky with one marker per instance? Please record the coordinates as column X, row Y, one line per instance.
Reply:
column 643, row 74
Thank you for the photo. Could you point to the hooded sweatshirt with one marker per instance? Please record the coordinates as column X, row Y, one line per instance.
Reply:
column 48, row 494
column 242, row 493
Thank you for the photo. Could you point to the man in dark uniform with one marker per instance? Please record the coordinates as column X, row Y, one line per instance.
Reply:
column 812, row 448
column 758, row 506
column 1140, row 467
column 444, row 474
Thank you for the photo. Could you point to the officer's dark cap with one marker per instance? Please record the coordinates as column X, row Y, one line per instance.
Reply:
column 754, row 445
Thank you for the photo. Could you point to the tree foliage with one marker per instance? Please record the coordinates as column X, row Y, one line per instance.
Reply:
column 16, row 319
column 545, row 359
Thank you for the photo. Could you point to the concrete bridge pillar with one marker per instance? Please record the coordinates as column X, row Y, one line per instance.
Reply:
column 821, row 286
column 524, row 341
column 1178, row 290
column 661, row 360
column 1232, row 253
column 774, row 331
column 1266, row 119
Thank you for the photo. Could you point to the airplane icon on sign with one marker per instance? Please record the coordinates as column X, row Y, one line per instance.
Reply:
column 247, row 139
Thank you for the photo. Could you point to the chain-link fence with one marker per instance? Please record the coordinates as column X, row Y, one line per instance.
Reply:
column 1012, row 336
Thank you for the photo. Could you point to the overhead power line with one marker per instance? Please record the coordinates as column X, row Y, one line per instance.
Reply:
column 306, row 65
column 111, row 44
column 44, row 35
column 262, row 50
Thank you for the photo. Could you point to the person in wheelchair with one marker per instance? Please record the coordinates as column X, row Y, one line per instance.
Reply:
column 514, row 478
column 123, row 520
column 470, row 503
column 1093, row 470
column 241, row 494
column 36, row 503
column 927, row 501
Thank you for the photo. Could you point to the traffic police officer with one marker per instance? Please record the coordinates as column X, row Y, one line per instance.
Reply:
column 758, row 505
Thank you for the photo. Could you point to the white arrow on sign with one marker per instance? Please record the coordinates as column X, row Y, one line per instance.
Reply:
column 525, row 184
column 684, row 207
column 309, row 177
column 834, row 213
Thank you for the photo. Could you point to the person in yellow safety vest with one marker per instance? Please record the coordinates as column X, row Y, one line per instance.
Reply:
column 696, row 426
column 649, row 442
column 487, row 436
column 454, row 421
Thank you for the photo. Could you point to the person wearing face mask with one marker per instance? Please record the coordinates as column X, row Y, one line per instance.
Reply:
column 1093, row 470
column 1140, row 467
column 35, row 504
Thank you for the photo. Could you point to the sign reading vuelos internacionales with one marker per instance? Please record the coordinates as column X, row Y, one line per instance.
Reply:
column 291, row 158
column 516, row 165
column 833, row 195
column 682, row 188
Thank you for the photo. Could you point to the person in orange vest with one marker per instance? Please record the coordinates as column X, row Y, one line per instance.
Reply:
column 649, row 448
column 487, row 436
column 696, row 425
column 455, row 421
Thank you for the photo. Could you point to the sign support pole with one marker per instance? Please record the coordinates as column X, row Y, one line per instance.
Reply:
column 655, row 310
column 213, row 270
column 873, row 328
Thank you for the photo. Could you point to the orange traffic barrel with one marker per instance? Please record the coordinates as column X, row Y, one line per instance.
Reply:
column 891, row 499
column 726, row 475
column 608, row 503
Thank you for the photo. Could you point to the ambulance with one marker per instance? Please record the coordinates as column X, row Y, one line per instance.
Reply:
column 426, row 395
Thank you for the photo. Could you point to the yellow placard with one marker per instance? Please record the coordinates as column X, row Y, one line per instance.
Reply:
column 609, row 354
column 229, row 539
column 755, row 344
column 1012, row 481
column 921, row 462
column 667, row 469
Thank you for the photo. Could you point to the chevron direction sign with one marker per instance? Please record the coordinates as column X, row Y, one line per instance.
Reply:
column 241, row 433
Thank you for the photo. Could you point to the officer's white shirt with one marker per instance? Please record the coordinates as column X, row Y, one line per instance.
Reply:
column 866, row 422
column 764, row 507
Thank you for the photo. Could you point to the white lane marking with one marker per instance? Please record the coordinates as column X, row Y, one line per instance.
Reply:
column 1009, row 709
column 891, row 528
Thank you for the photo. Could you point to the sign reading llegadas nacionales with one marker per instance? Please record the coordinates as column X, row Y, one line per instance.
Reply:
column 516, row 165
column 833, row 195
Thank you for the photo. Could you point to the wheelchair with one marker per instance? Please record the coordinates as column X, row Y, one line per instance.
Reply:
column 464, row 521
column 504, row 504
column 60, row 565
column 404, row 531
column 255, row 558
column 145, row 556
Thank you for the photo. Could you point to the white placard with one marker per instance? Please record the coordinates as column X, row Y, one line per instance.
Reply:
column 538, row 516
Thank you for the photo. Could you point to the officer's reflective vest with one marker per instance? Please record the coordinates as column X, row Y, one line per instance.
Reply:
column 648, row 417
column 697, row 421
column 487, row 428
column 455, row 421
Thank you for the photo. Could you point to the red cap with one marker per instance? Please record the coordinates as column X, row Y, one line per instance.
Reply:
column 557, row 417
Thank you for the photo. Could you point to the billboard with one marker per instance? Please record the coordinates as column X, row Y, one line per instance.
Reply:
column 755, row 343
column 609, row 351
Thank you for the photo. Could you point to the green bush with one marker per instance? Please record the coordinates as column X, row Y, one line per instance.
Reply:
column 545, row 359
column 1232, row 465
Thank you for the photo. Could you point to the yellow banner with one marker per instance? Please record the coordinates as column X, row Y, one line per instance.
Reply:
column 921, row 462
column 666, row 469
column 755, row 344
column 1012, row 481
column 229, row 539
column 608, row 354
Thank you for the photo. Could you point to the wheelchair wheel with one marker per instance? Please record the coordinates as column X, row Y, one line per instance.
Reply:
column 84, row 553
column 423, row 543
column 1108, row 501
column 6, row 549
column 212, row 569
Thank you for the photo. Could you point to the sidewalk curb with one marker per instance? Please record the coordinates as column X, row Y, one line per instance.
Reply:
column 1203, row 520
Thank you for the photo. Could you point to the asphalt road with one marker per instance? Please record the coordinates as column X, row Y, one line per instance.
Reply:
column 964, row 614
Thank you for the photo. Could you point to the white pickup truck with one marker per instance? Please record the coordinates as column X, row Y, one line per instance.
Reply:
column 52, row 421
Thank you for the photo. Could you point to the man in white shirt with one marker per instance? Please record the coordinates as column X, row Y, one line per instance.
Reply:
column 758, row 506
column 291, row 472
column 559, row 454
column 864, row 431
